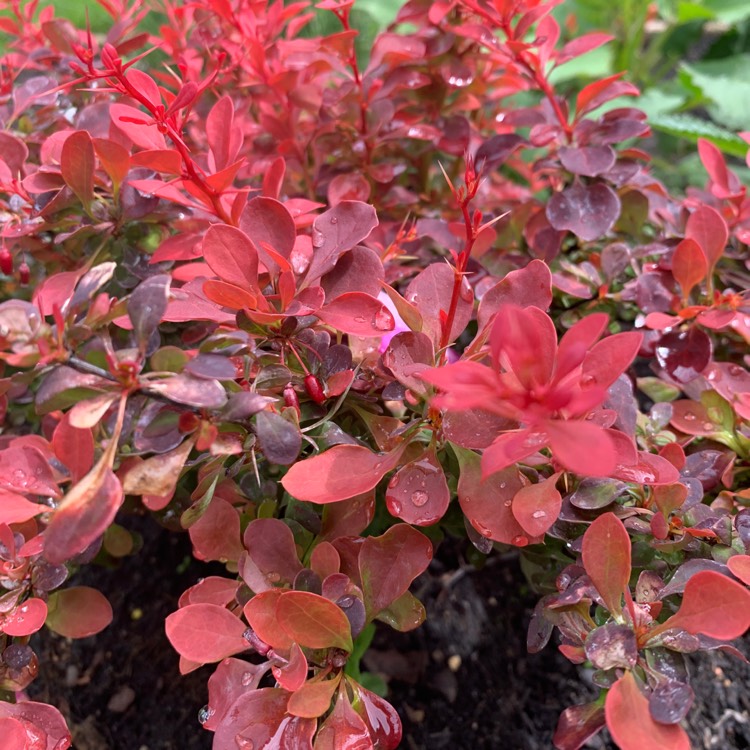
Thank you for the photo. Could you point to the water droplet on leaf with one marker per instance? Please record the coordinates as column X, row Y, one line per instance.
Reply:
column 419, row 498
column 520, row 541
column 538, row 514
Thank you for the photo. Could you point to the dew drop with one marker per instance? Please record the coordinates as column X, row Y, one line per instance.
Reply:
column 359, row 319
column 508, row 503
column 273, row 577
column 334, row 220
column 395, row 507
column 394, row 481
column 503, row 485
column 318, row 238
column 243, row 743
column 247, row 679
column 465, row 292
column 383, row 320
column 588, row 380
column 708, row 426
column 689, row 416
column 520, row 540
column 539, row 514
column 736, row 370
column 419, row 498
column 205, row 714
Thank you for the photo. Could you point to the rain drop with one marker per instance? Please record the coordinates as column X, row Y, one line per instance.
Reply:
column 247, row 679
column 273, row 577
column 520, row 540
column 395, row 508
column 736, row 370
column 318, row 239
column 394, row 481
column 708, row 426
column 205, row 714
column 503, row 485
column 538, row 514
column 508, row 503
column 419, row 498
column 382, row 320
column 243, row 743
column 689, row 416
column 334, row 220
column 588, row 380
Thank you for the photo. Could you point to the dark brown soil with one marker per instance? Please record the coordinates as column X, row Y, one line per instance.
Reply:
column 463, row 681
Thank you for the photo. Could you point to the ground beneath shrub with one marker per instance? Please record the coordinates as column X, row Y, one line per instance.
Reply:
column 463, row 680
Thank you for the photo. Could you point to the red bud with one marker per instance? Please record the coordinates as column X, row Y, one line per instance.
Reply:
column 314, row 389
column 6, row 261
column 24, row 273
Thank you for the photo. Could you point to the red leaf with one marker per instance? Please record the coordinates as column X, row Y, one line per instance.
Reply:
column 25, row 619
column 338, row 474
column 160, row 160
column 40, row 717
column 599, row 92
column 357, row 314
column 138, row 126
column 389, row 563
column 335, row 232
column 268, row 222
column 381, row 717
column 17, row 509
column 231, row 679
column 537, row 506
column 77, row 165
column 712, row 605
column 272, row 555
column 292, row 675
column 487, row 504
column 577, row 725
column 531, row 285
column 205, row 632
column 74, row 447
column 707, row 227
column 740, row 567
column 260, row 612
column 114, row 158
column 689, row 266
column 13, row 734
column 83, row 515
column 229, row 295
column 78, row 612
column 216, row 534
column 259, row 719
column 313, row 699
column 431, row 291
column 224, row 137
column 232, row 256
column 313, row 622
column 725, row 183
column 582, row 447
column 344, row 729
column 630, row 723
column 418, row 492
column 581, row 45
column 606, row 558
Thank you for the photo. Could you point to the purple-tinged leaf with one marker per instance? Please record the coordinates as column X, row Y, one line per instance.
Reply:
column 418, row 492
column 279, row 440
column 577, row 725
column 612, row 646
column 589, row 211
column 589, row 161
column 670, row 702
column 146, row 307
column 684, row 355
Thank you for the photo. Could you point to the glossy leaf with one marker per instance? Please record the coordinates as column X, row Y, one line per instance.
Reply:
column 205, row 632
column 589, row 211
column 577, row 725
column 358, row 314
column 272, row 554
column 74, row 447
column 147, row 305
column 259, row 719
column 339, row 473
column 77, row 165
column 631, row 725
column 389, row 563
column 344, row 729
column 232, row 256
column 707, row 227
column 418, row 492
column 689, row 265
column 606, row 558
column 313, row 699
column 312, row 621
column 78, row 612
column 713, row 605
column 537, row 506
column 24, row 619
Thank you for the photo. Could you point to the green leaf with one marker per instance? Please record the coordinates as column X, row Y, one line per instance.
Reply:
column 692, row 128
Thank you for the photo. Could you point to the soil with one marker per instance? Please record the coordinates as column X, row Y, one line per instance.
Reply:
column 463, row 680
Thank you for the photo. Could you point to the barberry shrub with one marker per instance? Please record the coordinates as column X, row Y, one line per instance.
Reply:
column 321, row 306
